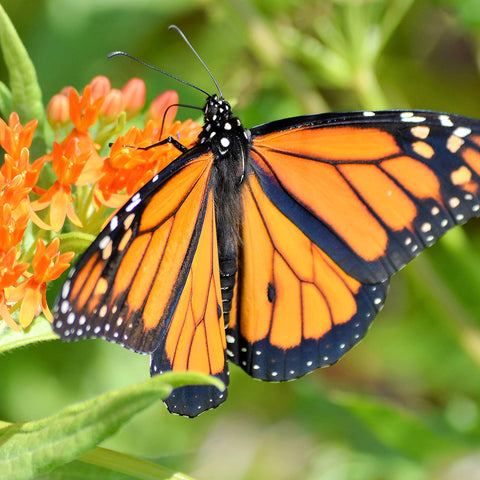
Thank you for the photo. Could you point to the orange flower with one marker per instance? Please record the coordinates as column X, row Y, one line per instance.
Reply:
column 14, row 137
column 19, row 167
column 12, row 227
column 84, row 110
column 10, row 272
column 68, row 165
column 48, row 264
column 76, row 162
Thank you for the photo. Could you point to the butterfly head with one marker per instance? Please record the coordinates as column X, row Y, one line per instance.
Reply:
column 216, row 110
column 221, row 128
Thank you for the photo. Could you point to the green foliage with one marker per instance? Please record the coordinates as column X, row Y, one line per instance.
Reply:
column 28, row 449
column 405, row 403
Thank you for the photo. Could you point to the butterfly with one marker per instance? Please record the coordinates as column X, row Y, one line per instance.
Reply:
column 271, row 247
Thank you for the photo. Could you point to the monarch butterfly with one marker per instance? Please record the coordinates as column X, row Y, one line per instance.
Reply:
column 271, row 246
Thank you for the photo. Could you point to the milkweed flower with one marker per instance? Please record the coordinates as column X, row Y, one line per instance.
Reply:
column 47, row 264
column 73, row 186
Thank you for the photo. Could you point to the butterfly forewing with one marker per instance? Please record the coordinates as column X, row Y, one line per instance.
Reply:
column 371, row 190
column 127, row 284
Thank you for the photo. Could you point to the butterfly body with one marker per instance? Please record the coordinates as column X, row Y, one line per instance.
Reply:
column 230, row 144
column 271, row 246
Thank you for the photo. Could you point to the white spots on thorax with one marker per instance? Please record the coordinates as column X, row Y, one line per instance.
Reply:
column 368, row 114
column 225, row 142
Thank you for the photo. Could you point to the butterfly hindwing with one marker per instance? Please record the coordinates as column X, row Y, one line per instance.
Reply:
column 297, row 310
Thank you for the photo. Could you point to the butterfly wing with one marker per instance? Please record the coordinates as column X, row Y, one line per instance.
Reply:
column 335, row 204
column 297, row 310
column 133, row 283
column 371, row 189
column 195, row 339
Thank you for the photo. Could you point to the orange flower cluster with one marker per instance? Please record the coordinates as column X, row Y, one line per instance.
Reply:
column 78, row 182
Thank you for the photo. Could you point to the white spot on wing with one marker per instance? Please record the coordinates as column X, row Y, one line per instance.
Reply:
column 462, row 132
column 113, row 223
column 445, row 121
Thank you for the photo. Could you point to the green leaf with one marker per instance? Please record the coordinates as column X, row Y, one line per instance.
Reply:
column 26, row 93
column 132, row 466
column 76, row 242
column 39, row 331
column 33, row 448
column 401, row 430
column 6, row 106
column 104, row 464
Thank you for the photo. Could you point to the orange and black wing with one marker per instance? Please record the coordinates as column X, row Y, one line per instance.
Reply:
column 134, row 282
column 195, row 337
column 335, row 204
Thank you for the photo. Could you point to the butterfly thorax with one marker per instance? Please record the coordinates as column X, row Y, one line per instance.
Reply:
column 230, row 144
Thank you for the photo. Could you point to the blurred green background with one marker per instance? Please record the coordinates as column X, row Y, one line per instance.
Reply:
column 405, row 403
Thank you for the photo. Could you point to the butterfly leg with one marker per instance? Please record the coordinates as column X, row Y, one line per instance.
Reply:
column 169, row 139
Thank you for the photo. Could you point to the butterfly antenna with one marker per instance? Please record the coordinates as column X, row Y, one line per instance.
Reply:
column 198, row 56
column 125, row 54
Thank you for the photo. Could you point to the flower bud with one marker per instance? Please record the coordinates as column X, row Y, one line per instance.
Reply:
column 58, row 113
column 134, row 93
column 160, row 105
column 100, row 87
column 113, row 105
